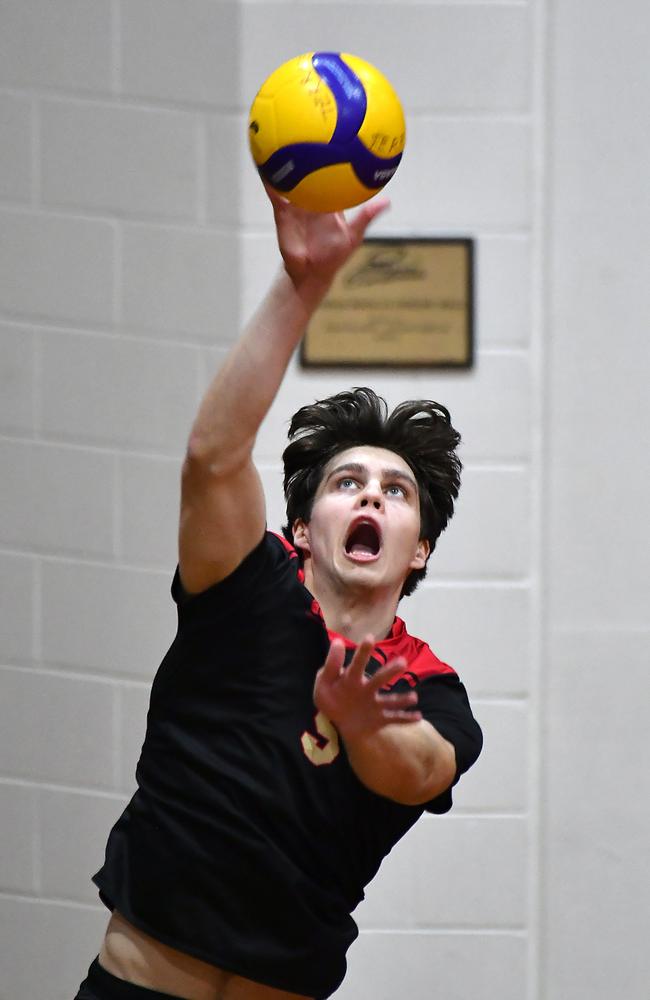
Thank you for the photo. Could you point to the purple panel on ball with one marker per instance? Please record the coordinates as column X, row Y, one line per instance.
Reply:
column 289, row 165
column 373, row 171
column 348, row 92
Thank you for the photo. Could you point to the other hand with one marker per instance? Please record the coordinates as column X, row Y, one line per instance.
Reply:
column 353, row 701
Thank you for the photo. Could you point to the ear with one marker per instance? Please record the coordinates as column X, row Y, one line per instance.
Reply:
column 301, row 536
column 422, row 553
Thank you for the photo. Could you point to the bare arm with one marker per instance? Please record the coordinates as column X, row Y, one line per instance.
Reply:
column 222, row 503
column 410, row 764
column 391, row 748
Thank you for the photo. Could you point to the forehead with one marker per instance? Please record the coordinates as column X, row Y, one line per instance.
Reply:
column 374, row 459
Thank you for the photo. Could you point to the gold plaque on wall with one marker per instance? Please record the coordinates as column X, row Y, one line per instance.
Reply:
column 397, row 303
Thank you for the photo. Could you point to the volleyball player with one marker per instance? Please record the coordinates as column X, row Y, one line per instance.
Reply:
column 296, row 730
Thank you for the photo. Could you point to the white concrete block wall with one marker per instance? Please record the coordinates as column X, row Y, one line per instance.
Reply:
column 181, row 52
column 596, row 827
column 42, row 944
column 134, row 237
column 38, row 280
column 15, row 155
column 69, row 47
column 127, row 161
column 45, row 734
column 174, row 281
column 119, row 271
column 125, row 624
column 57, row 498
column 116, row 390
column 17, row 379
column 451, row 964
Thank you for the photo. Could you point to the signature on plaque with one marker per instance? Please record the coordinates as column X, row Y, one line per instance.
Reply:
column 384, row 265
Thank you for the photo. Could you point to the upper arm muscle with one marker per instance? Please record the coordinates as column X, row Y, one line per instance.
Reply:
column 222, row 519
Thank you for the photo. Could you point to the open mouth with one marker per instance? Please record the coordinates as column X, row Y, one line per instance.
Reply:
column 364, row 541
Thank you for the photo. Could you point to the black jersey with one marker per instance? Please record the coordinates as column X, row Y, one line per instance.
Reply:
column 250, row 839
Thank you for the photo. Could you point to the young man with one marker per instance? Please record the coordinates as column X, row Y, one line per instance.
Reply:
column 295, row 730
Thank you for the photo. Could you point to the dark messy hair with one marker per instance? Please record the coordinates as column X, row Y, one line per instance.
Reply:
column 420, row 431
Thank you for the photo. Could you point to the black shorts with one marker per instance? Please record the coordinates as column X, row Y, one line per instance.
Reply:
column 101, row 985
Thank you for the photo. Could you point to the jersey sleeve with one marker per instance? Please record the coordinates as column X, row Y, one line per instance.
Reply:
column 260, row 562
column 443, row 701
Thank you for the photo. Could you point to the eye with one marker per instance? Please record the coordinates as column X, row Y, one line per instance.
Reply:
column 394, row 490
column 346, row 483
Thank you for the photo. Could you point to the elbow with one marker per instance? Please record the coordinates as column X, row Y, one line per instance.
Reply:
column 422, row 791
column 418, row 792
column 431, row 790
column 204, row 458
column 198, row 463
column 409, row 765
column 408, row 787
column 426, row 783
column 202, row 449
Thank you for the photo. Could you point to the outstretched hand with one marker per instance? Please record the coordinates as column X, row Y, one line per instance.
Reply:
column 314, row 245
column 353, row 701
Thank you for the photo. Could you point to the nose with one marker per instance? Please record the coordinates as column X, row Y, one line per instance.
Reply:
column 372, row 496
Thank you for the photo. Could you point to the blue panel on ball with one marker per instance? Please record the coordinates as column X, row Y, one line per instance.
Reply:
column 289, row 165
column 348, row 92
column 373, row 171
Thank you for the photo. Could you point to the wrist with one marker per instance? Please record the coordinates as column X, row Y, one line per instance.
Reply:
column 310, row 290
column 358, row 737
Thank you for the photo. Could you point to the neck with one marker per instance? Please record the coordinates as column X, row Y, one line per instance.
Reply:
column 354, row 614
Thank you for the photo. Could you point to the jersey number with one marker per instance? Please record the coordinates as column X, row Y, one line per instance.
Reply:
column 324, row 748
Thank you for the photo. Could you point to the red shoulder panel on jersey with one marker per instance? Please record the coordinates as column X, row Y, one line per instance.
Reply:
column 421, row 661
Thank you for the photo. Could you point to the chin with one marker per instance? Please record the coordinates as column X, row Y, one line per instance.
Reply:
column 367, row 576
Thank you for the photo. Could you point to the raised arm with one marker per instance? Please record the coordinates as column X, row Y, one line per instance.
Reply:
column 222, row 502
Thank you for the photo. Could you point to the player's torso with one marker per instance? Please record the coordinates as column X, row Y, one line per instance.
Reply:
column 235, row 744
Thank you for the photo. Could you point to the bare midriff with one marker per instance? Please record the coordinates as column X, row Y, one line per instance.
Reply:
column 130, row 954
